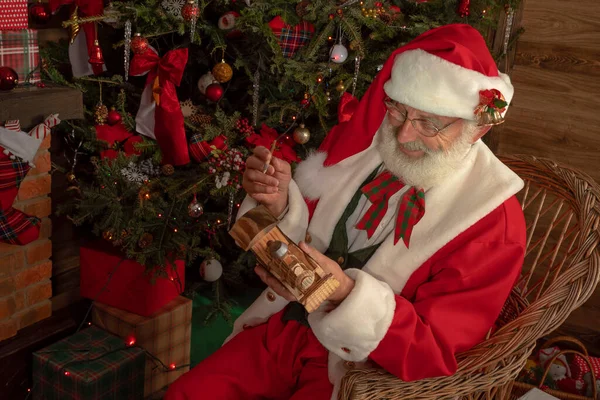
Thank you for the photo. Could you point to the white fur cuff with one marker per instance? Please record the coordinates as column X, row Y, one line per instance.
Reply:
column 355, row 328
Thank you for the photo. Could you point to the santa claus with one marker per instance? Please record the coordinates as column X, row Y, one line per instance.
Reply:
column 409, row 210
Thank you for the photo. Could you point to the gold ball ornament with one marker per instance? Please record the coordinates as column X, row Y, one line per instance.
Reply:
column 222, row 72
column 71, row 178
column 340, row 87
column 144, row 193
column 100, row 114
column 167, row 170
column 301, row 134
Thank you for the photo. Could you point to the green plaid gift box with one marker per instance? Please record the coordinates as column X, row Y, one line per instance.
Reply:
column 89, row 365
column 166, row 335
column 19, row 50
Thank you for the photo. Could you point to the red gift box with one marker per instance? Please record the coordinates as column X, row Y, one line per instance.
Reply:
column 131, row 287
column 13, row 15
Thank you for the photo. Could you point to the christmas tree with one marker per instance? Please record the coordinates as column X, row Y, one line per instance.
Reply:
column 194, row 86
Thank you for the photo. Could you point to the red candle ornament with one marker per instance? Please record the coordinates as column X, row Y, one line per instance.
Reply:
column 96, row 58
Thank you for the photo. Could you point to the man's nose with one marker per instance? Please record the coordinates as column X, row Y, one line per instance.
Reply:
column 407, row 133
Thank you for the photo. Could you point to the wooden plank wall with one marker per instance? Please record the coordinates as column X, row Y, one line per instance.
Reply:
column 556, row 109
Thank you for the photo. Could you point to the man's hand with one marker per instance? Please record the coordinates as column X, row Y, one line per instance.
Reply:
column 328, row 265
column 271, row 188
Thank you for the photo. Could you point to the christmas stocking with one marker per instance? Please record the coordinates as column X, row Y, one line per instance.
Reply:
column 16, row 227
column 17, row 151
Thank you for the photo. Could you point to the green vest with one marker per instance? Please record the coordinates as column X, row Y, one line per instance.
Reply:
column 338, row 251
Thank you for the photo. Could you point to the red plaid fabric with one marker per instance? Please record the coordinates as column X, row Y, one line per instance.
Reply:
column 16, row 227
column 410, row 212
column 13, row 15
column 291, row 38
column 19, row 50
column 201, row 149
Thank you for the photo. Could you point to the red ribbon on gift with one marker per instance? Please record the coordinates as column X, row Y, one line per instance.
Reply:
column 164, row 74
column 87, row 8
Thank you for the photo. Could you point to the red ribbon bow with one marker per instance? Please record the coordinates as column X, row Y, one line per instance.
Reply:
column 87, row 8
column 169, row 127
column 410, row 211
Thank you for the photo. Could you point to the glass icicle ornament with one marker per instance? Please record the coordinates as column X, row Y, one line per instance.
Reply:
column 126, row 48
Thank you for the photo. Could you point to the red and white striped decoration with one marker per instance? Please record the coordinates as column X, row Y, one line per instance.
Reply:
column 13, row 15
column 42, row 130
column 13, row 125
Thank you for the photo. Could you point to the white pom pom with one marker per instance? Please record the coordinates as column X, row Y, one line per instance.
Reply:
column 211, row 270
column 227, row 20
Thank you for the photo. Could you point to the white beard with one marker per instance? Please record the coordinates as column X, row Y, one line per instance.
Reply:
column 429, row 170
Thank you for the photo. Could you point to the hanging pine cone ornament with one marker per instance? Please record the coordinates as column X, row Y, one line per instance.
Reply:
column 201, row 119
column 301, row 8
column 167, row 170
column 139, row 44
column 145, row 240
column 301, row 134
column 100, row 114
column 222, row 72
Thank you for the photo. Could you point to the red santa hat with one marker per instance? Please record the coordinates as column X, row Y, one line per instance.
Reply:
column 444, row 71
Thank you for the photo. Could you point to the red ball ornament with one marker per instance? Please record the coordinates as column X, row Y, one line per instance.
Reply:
column 96, row 58
column 40, row 13
column 214, row 92
column 139, row 44
column 190, row 11
column 8, row 78
column 114, row 117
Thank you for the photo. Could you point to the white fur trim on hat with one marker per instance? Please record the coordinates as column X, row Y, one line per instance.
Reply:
column 431, row 84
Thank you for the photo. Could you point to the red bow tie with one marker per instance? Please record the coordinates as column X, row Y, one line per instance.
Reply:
column 410, row 212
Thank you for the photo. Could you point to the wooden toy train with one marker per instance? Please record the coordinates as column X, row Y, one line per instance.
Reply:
column 257, row 231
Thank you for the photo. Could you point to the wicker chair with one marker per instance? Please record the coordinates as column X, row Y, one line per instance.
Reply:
column 561, row 270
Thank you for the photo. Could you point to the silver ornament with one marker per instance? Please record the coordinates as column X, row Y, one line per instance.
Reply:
column 338, row 53
column 205, row 81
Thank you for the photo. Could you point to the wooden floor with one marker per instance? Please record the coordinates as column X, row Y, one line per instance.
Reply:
column 555, row 112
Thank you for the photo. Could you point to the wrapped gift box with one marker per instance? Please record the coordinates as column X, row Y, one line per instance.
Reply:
column 19, row 50
column 91, row 364
column 13, row 15
column 166, row 335
column 111, row 279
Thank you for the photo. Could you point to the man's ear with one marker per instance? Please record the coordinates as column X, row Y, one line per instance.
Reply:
column 479, row 132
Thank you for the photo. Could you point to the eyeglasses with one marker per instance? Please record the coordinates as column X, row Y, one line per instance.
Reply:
column 424, row 126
